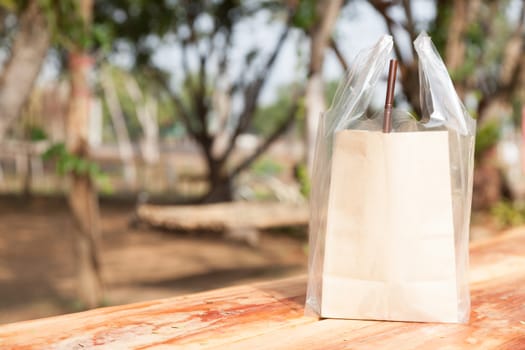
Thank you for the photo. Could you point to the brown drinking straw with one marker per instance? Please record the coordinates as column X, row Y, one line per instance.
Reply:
column 389, row 102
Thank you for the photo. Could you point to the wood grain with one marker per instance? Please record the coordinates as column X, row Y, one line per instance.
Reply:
column 270, row 316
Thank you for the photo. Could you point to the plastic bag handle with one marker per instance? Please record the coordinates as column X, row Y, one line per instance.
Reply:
column 354, row 94
column 439, row 101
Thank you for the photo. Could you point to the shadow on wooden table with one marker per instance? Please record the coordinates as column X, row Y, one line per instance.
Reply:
column 219, row 278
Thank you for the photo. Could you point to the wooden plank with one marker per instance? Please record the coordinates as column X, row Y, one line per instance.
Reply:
column 189, row 319
column 270, row 316
column 222, row 216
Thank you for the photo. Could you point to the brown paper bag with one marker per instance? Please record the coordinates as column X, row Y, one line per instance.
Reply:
column 389, row 249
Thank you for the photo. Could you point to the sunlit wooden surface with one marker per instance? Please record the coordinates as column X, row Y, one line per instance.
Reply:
column 270, row 316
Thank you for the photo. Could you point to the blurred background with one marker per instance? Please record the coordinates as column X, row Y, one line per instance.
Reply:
column 157, row 148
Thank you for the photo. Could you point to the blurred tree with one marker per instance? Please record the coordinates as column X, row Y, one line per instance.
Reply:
column 28, row 42
column 318, row 19
column 82, row 195
column 481, row 47
column 266, row 116
column 203, row 32
column 330, row 90
column 64, row 24
column 408, row 66
column 484, row 51
column 119, row 125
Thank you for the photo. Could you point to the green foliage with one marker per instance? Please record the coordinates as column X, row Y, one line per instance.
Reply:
column 300, row 117
column 330, row 90
column 484, row 44
column 476, row 41
column 266, row 167
column 517, row 107
column 10, row 5
column 69, row 28
column 301, row 173
column 305, row 15
column 150, row 90
column 267, row 117
column 508, row 213
column 262, row 193
column 438, row 29
column 68, row 163
column 134, row 22
column 205, row 33
column 487, row 136
column 475, row 35
column 101, row 36
column 36, row 133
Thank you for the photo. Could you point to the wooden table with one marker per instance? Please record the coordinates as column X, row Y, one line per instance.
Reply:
column 270, row 316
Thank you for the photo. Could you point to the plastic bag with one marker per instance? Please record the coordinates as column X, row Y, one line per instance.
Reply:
column 442, row 111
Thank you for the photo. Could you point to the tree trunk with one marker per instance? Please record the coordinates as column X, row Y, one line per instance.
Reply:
column 465, row 12
column 84, row 204
column 82, row 195
column 221, row 190
column 455, row 49
column 221, row 187
column 410, row 86
column 28, row 52
column 327, row 12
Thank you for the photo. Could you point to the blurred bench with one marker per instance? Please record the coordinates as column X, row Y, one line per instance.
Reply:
column 270, row 316
column 237, row 220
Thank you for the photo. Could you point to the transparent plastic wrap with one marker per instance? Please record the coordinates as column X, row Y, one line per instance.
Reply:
column 444, row 119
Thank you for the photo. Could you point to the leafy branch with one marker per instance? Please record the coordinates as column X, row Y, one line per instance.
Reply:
column 69, row 163
column 70, row 30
